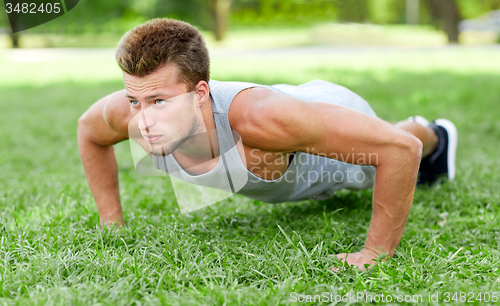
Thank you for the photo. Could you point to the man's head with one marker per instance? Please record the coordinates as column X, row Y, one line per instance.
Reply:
column 144, row 49
column 166, row 70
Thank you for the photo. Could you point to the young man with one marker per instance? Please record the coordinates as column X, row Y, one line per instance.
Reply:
column 283, row 131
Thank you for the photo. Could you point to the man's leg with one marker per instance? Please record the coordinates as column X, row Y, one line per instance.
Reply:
column 439, row 140
column 427, row 135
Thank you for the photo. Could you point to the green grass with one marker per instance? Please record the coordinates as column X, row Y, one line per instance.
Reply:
column 239, row 251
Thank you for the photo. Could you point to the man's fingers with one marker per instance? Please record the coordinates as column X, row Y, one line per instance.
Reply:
column 342, row 258
column 355, row 259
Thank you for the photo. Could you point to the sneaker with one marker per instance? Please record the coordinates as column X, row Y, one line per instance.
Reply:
column 420, row 120
column 440, row 164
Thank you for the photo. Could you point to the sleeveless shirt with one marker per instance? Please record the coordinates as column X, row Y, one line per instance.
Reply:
column 307, row 176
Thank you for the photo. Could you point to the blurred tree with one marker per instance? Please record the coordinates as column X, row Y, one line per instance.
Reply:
column 412, row 11
column 5, row 28
column 220, row 12
column 387, row 11
column 448, row 14
column 473, row 9
column 353, row 10
column 15, row 39
column 282, row 12
column 119, row 16
column 493, row 4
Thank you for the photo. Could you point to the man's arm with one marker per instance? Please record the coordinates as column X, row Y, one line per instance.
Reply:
column 272, row 121
column 102, row 126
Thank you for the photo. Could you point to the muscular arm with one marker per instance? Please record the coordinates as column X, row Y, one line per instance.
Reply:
column 102, row 126
column 275, row 122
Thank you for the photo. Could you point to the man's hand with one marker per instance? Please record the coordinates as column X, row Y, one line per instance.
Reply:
column 111, row 221
column 358, row 259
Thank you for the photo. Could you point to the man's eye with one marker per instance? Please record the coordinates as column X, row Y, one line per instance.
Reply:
column 134, row 102
column 159, row 101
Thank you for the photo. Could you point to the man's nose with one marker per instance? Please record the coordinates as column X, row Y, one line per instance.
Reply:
column 145, row 120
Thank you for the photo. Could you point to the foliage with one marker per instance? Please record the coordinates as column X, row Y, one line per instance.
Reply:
column 473, row 9
column 250, row 12
column 4, row 21
column 288, row 12
column 353, row 10
column 386, row 11
column 118, row 16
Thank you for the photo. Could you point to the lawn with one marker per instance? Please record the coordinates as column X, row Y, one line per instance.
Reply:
column 240, row 251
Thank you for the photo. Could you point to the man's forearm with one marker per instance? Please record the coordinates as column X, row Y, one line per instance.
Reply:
column 392, row 200
column 100, row 167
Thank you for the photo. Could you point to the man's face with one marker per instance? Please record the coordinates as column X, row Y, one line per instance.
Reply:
column 165, row 113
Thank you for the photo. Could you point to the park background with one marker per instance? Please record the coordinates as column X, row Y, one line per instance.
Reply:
column 404, row 57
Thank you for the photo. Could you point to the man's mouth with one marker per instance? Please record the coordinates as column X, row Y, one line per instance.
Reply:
column 152, row 138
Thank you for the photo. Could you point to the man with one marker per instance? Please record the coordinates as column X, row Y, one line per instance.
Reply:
column 318, row 127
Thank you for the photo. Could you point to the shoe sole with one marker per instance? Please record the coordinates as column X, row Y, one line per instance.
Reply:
column 452, row 144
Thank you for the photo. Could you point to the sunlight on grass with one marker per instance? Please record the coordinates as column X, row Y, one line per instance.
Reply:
column 38, row 67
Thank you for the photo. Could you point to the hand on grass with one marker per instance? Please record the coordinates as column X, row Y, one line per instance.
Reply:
column 112, row 221
column 358, row 259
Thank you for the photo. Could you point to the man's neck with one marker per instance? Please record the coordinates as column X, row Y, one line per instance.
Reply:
column 203, row 146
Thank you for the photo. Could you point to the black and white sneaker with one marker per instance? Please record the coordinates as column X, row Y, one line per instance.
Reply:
column 440, row 164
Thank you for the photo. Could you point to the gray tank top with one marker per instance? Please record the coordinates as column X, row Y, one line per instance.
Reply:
column 307, row 176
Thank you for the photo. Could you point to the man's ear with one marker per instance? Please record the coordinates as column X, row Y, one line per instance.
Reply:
column 202, row 92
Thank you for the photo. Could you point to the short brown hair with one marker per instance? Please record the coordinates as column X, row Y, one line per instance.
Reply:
column 159, row 41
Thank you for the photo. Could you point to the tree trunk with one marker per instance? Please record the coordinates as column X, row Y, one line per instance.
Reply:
column 447, row 12
column 15, row 40
column 495, row 5
column 412, row 11
column 220, row 11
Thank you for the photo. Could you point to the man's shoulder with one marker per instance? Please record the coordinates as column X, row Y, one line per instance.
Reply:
column 226, row 91
column 262, row 115
column 224, row 85
column 249, row 102
column 116, row 112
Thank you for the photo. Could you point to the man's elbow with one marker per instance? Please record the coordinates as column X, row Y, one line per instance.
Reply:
column 411, row 150
column 83, row 130
column 82, row 123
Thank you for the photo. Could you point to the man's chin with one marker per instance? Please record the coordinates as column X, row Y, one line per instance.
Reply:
column 157, row 150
